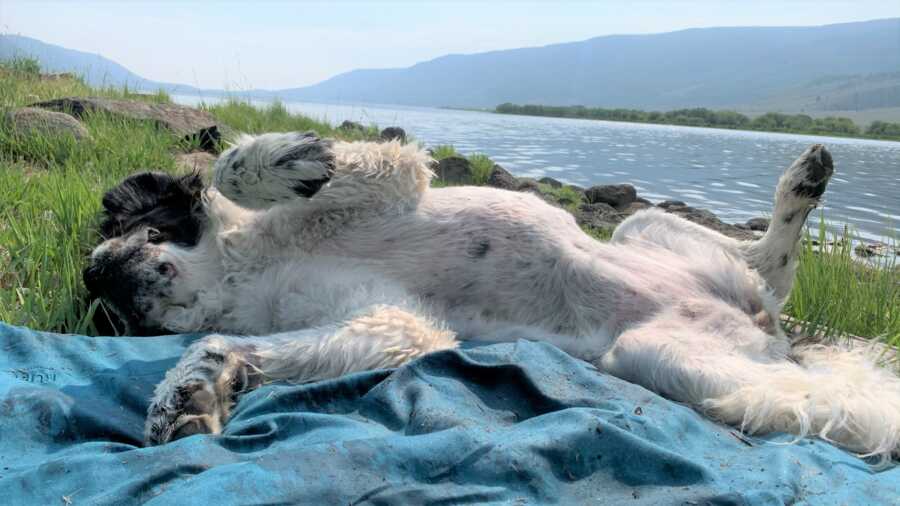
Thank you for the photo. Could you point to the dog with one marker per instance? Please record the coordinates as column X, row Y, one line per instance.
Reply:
column 342, row 258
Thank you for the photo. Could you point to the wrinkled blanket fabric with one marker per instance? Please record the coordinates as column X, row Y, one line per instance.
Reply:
column 519, row 423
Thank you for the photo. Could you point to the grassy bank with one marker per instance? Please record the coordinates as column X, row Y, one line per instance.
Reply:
column 731, row 120
column 50, row 192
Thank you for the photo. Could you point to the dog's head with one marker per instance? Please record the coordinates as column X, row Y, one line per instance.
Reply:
column 150, row 220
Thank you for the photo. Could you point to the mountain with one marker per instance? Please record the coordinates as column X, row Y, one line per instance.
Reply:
column 709, row 67
column 846, row 68
column 95, row 69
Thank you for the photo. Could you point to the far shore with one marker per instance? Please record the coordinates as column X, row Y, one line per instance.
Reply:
column 700, row 117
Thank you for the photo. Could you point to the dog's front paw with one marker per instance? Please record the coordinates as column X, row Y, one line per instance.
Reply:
column 196, row 396
column 268, row 169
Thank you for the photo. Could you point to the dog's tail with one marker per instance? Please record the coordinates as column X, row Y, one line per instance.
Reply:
column 838, row 395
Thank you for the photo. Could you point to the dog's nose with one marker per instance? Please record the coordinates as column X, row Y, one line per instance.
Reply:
column 94, row 278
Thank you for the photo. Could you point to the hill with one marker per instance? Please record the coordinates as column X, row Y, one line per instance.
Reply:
column 95, row 69
column 848, row 69
column 709, row 67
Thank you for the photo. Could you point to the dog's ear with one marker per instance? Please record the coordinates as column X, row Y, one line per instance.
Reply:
column 192, row 183
column 171, row 205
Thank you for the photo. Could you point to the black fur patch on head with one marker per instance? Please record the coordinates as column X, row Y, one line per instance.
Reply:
column 171, row 205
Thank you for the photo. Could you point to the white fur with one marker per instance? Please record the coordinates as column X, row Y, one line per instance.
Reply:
column 377, row 268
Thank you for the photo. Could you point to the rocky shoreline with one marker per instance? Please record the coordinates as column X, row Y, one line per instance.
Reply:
column 598, row 208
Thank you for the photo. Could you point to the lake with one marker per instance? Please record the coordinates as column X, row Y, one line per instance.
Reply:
column 732, row 173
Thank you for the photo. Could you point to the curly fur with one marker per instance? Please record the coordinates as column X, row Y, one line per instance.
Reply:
column 341, row 258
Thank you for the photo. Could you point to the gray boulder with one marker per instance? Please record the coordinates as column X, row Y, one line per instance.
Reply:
column 598, row 216
column 348, row 125
column 757, row 224
column 550, row 181
column 529, row 185
column 185, row 122
column 501, row 178
column 616, row 195
column 30, row 121
column 876, row 249
column 393, row 133
column 707, row 219
column 634, row 207
column 454, row 170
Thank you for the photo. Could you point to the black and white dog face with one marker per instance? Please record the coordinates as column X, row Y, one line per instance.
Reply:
column 150, row 220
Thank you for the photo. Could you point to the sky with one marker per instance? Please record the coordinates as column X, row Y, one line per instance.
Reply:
column 258, row 44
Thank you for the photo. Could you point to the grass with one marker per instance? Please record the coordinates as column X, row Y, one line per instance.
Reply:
column 835, row 294
column 50, row 191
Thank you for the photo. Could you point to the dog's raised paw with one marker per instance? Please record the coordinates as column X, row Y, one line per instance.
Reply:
column 816, row 167
column 268, row 169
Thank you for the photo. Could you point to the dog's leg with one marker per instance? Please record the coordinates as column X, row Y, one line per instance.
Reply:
column 315, row 173
column 259, row 172
column 774, row 256
column 657, row 228
column 197, row 396
column 719, row 362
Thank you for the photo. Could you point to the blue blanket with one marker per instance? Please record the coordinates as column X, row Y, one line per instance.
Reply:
column 519, row 423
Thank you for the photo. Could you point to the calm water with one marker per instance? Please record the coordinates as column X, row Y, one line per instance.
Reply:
column 732, row 173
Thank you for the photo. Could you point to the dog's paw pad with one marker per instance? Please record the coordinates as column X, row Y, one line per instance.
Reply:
column 271, row 168
column 184, row 410
column 811, row 172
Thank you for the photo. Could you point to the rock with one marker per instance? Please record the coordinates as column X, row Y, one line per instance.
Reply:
column 454, row 170
column 392, row 133
column 34, row 121
column 879, row 249
column 757, row 224
column 635, row 207
column 643, row 201
column 199, row 161
column 348, row 125
column 529, row 185
column 709, row 220
column 185, row 122
column 501, row 178
column 665, row 204
column 598, row 216
column 616, row 195
column 550, row 181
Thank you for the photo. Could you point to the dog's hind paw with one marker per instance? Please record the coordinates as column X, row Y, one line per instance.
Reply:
column 268, row 169
column 197, row 395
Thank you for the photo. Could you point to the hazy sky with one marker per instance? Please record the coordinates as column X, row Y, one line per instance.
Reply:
column 240, row 45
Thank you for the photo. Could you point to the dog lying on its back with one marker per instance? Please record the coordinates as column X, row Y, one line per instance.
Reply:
column 345, row 252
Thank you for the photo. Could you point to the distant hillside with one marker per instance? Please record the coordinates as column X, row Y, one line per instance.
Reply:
column 709, row 67
column 849, row 69
column 95, row 69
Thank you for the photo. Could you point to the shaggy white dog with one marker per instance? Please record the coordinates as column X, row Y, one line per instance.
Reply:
column 345, row 259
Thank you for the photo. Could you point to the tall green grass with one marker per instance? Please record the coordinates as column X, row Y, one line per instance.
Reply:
column 243, row 116
column 835, row 294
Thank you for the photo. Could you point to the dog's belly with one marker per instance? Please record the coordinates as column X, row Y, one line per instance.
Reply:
column 482, row 253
